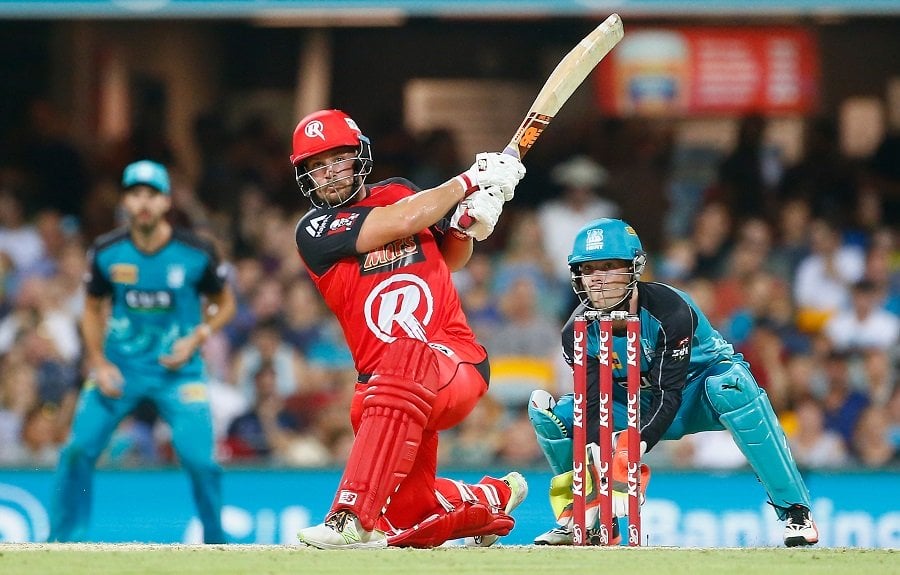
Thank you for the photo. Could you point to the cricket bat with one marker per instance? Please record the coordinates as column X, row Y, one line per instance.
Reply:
column 560, row 85
column 563, row 81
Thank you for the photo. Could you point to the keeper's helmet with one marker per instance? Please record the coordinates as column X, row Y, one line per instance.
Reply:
column 322, row 131
column 606, row 239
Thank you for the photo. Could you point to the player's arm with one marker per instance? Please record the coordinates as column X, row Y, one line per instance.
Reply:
column 103, row 372
column 456, row 248
column 668, row 372
column 93, row 329
column 218, row 308
column 413, row 214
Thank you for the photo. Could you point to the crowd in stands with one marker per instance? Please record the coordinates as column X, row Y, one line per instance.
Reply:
column 797, row 264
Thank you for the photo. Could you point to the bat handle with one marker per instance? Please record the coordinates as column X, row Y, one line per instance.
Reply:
column 465, row 220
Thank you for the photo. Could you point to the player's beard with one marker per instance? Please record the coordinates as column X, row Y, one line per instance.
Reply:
column 338, row 192
column 145, row 225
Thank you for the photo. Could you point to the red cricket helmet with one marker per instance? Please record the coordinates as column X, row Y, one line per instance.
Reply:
column 325, row 130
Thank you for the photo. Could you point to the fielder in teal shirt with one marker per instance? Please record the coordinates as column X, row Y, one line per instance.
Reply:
column 154, row 294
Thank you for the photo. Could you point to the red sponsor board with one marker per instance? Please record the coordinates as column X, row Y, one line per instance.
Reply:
column 710, row 71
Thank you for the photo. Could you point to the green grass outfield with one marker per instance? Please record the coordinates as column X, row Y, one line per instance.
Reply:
column 76, row 559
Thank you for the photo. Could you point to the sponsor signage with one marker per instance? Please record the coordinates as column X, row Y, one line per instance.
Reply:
column 695, row 71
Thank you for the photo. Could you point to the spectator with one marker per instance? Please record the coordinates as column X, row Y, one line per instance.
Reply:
column 521, row 360
column 524, row 257
column 18, row 396
column 269, row 430
column 823, row 279
column 812, row 444
column 711, row 237
column 823, row 176
column 871, row 439
column 793, row 237
column 19, row 239
column 748, row 174
column 843, row 405
column 864, row 325
column 39, row 442
column 267, row 347
column 580, row 179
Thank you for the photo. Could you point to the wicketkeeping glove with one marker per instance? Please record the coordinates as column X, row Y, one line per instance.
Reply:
column 620, row 474
column 483, row 207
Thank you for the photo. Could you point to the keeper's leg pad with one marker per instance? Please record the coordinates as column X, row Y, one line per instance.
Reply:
column 467, row 511
column 551, row 430
column 396, row 406
column 746, row 412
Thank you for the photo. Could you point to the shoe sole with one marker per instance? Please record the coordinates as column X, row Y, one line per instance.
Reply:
column 799, row 542
column 360, row 545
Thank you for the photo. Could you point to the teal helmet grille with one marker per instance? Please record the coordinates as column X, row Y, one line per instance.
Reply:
column 606, row 239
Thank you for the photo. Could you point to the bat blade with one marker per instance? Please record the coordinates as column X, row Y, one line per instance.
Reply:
column 563, row 81
column 560, row 85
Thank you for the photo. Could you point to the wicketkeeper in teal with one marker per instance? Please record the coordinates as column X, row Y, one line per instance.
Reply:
column 167, row 293
column 692, row 381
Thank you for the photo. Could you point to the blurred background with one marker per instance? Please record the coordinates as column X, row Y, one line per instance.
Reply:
column 755, row 147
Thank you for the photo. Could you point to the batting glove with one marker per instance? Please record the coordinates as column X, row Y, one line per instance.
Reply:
column 493, row 169
column 482, row 210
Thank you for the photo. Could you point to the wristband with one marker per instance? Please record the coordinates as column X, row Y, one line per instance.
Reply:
column 466, row 182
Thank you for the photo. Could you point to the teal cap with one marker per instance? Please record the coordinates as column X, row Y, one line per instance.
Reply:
column 147, row 173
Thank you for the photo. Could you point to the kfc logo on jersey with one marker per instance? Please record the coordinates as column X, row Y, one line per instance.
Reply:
column 401, row 305
column 342, row 222
column 392, row 256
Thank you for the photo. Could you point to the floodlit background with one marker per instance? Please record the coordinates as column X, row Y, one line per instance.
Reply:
column 750, row 144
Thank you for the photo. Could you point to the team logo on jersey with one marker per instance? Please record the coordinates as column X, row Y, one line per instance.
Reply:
column 397, row 254
column 316, row 226
column 594, row 240
column 175, row 276
column 342, row 222
column 315, row 129
column 683, row 350
column 123, row 274
column 401, row 305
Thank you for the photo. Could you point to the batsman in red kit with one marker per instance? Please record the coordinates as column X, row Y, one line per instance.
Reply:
column 381, row 255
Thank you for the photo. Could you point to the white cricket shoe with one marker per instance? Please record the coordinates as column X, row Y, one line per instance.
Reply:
column 342, row 531
column 564, row 536
column 800, row 528
column 518, row 491
column 556, row 536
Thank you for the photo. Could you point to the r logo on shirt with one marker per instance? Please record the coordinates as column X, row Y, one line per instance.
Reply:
column 403, row 301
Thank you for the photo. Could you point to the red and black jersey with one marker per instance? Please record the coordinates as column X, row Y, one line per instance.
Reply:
column 402, row 289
